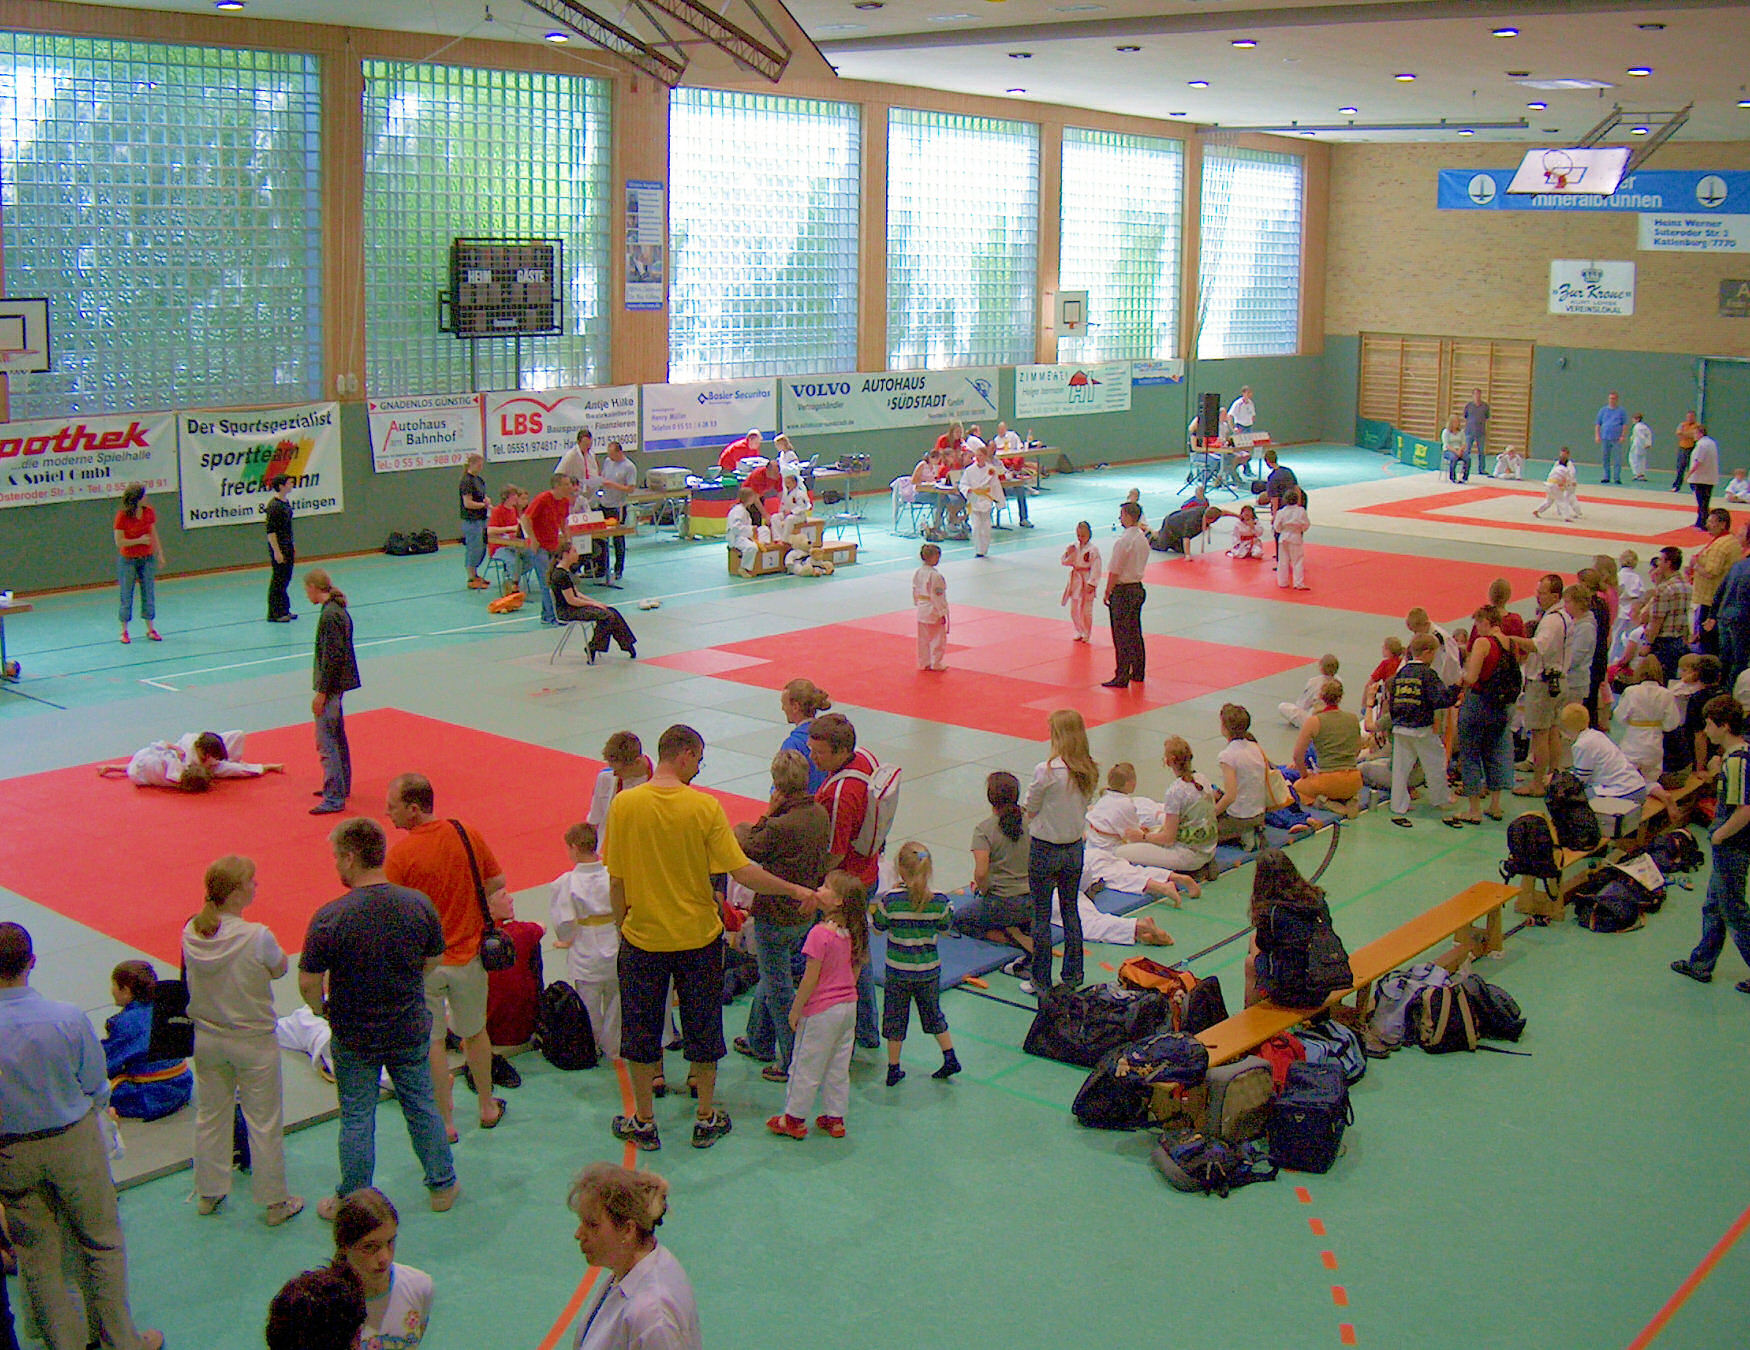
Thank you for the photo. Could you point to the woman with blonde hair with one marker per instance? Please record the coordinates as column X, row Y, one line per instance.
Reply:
column 1057, row 815
column 231, row 965
column 802, row 701
column 647, row 1299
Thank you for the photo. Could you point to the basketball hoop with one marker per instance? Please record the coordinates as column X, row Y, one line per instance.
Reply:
column 1558, row 168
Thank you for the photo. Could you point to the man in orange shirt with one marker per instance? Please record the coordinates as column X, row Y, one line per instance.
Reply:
column 543, row 524
column 433, row 859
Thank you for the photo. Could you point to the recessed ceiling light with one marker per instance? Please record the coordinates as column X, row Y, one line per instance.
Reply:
column 1640, row 72
column 1552, row 131
column 555, row 37
column 1020, row 56
column 826, row 28
column 1505, row 33
column 1128, row 49
column 1348, row 112
column 1178, row 114
column 1309, row 133
column 1567, row 82
column 1403, row 77
column 1244, row 42
column 1198, row 84
column 1466, row 131
column 1517, row 74
column 869, row 4
column 1017, row 91
column 1637, row 131
column 947, row 18
column 1077, row 9
column 1744, row 103
column 1651, row 27
column 228, row 5
column 1538, row 106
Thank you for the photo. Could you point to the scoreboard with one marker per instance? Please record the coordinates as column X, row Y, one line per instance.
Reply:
column 504, row 287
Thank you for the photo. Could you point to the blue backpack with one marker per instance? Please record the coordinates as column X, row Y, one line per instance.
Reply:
column 1165, row 1057
column 1310, row 1115
column 1330, row 1041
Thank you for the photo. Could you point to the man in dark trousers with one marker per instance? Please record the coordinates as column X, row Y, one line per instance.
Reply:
column 279, row 550
column 1125, row 596
column 336, row 674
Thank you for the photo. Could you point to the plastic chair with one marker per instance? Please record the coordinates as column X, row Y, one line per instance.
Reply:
column 843, row 520
column 565, row 636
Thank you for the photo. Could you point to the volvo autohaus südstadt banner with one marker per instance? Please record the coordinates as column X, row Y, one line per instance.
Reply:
column 543, row 423
column 424, row 431
column 1726, row 191
column 72, row 458
column 687, row 416
column 229, row 457
column 879, row 401
column 1061, row 391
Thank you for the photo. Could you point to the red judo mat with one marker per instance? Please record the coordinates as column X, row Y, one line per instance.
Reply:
column 1349, row 578
column 1005, row 671
column 1446, row 508
column 128, row 861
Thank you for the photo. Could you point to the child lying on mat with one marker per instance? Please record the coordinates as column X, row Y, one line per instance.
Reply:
column 189, row 763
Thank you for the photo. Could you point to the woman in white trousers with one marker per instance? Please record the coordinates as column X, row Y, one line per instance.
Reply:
column 231, row 965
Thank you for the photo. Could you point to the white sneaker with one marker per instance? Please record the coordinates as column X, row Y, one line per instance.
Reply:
column 1027, row 987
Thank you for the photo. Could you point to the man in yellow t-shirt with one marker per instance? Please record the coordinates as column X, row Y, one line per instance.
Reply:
column 665, row 839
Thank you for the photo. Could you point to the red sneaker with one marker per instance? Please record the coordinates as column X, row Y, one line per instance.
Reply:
column 833, row 1125
column 788, row 1126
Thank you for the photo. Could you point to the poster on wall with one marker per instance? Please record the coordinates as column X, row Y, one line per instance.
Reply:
column 646, row 243
column 1735, row 298
column 820, row 404
column 228, row 457
column 1582, row 286
column 1063, row 391
column 543, row 423
column 686, row 416
column 1144, row 373
column 1695, row 234
column 66, row 459
column 1711, row 190
column 424, row 431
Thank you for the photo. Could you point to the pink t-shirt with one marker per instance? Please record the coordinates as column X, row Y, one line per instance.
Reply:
column 830, row 946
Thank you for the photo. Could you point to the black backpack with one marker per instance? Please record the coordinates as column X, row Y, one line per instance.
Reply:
column 562, row 1029
column 1607, row 902
column 1306, row 962
column 1198, row 1165
column 1504, row 683
column 1109, row 1100
column 1204, row 1006
column 1497, row 1012
column 1531, row 849
column 1078, row 1026
column 398, row 545
column 1571, row 815
column 1309, row 1116
column 1442, row 1020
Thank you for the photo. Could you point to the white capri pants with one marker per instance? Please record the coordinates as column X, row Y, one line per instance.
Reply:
column 229, row 1067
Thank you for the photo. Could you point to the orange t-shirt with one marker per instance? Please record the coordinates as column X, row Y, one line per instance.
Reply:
column 430, row 858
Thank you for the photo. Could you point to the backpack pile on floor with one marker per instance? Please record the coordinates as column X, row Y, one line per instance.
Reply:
column 1674, row 852
column 1117, row 1093
column 400, row 545
column 1427, row 1005
column 1617, row 898
column 1081, row 1026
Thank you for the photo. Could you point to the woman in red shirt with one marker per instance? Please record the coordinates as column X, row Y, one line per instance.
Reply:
column 139, row 556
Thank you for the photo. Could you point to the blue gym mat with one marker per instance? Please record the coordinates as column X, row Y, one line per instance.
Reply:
column 961, row 956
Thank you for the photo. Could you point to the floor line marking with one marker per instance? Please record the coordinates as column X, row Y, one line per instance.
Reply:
column 269, row 660
column 1703, row 1269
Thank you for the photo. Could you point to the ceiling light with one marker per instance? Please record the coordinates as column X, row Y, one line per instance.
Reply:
column 1129, row 49
column 1552, row 131
column 1077, row 9
column 1466, row 131
column 1309, row 133
column 1640, row 72
column 826, row 28
column 1178, row 114
column 1637, row 131
column 1017, row 91
column 1538, row 106
column 1744, row 103
column 947, row 18
column 1567, row 82
column 869, row 4
column 1198, row 84
column 1505, row 33
column 1348, row 112
column 1518, row 74
column 228, row 5
column 1651, row 27
column 1404, row 77
column 1020, row 56
column 1244, row 42
column 555, row 37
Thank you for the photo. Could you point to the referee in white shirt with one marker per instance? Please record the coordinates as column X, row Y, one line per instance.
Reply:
column 1125, row 596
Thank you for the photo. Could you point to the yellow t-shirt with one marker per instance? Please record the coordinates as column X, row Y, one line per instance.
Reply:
column 663, row 845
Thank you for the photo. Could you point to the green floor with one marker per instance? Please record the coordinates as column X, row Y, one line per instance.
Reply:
column 1550, row 1201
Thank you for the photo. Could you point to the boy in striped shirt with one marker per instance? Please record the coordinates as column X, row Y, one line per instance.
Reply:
column 913, row 918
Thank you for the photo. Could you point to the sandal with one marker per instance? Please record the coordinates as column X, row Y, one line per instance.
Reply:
column 1457, row 822
column 1494, row 815
column 497, row 1120
column 774, row 1073
column 658, row 1088
column 289, row 1208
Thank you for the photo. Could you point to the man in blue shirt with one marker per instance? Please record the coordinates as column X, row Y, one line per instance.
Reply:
column 54, row 1170
column 1607, row 431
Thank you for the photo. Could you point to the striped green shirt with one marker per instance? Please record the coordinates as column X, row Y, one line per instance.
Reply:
column 912, row 933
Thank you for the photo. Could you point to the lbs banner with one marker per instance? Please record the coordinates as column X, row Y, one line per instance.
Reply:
column 1060, row 391
column 912, row 398
column 229, row 457
column 543, row 424
column 429, row 431
column 73, row 458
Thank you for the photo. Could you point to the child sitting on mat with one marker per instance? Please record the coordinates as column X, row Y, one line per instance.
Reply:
column 824, row 1014
column 1248, row 537
column 190, row 763
column 913, row 918
column 1510, row 463
column 141, row 1088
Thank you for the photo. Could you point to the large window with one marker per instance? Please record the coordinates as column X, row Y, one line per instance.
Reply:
column 165, row 199
column 962, row 240
column 763, row 197
column 1122, row 198
column 1249, row 302
column 455, row 151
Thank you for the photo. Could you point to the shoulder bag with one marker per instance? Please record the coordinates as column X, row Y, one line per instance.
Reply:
column 497, row 951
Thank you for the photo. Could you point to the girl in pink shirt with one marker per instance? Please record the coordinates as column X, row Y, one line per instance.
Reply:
column 824, row 1015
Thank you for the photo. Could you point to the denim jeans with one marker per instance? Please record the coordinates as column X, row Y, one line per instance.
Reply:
column 1484, row 746
column 541, row 562
column 777, row 946
column 1724, row 909
column 355, row 1080
column 144, row 572
column 473, row 545
column 1612, row 470
column 868, row 1019
column 331, row 747
column 1055, row 867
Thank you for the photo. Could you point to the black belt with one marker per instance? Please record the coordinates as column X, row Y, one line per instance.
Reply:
column 8, row 1140
column 1117, row 584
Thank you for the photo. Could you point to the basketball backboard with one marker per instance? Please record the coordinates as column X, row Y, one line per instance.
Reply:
column 24, row 336
column 1571, row 170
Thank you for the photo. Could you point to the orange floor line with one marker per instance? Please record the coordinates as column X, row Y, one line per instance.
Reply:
column 1716, row 1254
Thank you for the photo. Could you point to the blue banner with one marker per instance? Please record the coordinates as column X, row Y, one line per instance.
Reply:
column 1726, row 191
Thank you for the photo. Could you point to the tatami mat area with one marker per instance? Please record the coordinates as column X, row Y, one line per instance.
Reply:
column 1551, row 1201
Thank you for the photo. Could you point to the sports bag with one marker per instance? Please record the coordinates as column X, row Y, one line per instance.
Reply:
column 1142, row 972
column 423, row 541
column 1078, row 1026
column 1531, row 849
column 1575, row 823
column 1198, row 1165
column 1165, row 1057
column 1281, row 1053
column 1304, row 962
column 1497, row 1012
column 1605, row 903
column 1239, row 1096
column 881, row 808
column 1108, row 1100
column 563, row 1032
column 398, row 545
column 1204, row 1006
column 1330, row 1041
column 1392, row 997
column 1675, row 851
column 1308, row 1120
column 1443, row 1021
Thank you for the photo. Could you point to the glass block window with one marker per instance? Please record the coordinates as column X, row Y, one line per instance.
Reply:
column 962, row 240
column 165, row 199
column 1122, row 201
column 763, row 207
column 1249, row 258
column 454, row 151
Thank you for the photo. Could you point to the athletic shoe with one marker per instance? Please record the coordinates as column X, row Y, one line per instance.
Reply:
column 152, row 634
column 1695, row 973
column 1018, row 967
column 324, row 809
column 640, row 1132
column 788, row 1126
column 478, row 583
column 1027, row 987
column 775, row 1073
column 707, row 1130
column 1743, row 986
column 833, row 1125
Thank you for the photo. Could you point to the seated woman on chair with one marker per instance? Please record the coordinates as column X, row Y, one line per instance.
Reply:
column 571, row 607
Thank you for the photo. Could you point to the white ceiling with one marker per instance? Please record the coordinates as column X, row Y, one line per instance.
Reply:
column 1300, row 71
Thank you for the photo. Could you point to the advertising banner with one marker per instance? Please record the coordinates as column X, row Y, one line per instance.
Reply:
column 543, row 423
column 68, row 459
column 228, row 458
column 646, row 241
column 1157, row 372
column 1721, row 190
column 1581, row 286
column 1062, row 391
column 686, row 416
column 1695, row 232
column 424, row 431
column 820, row 404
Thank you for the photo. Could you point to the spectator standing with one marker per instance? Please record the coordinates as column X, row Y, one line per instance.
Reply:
column 850, row 770
column 1688, row 433
column 54, row 1169
column 1056, row 807
column 139, row 555
column 579, row 463
column 1666, row 609
column 475, row 507
column 1724, row 909
column 1731, row 614
column 647, row 1300
column 665, row 840
column 1707, row 570
column 230, row 965
column 363, row 967
column 1607, row 430
column 336, row 675
column 801, row 702
column 1125, row 597
column 543, row 524
column 619, row 477
column 1476, row 428
column 1491, row 684
column 280, row 550
column 1704, row 473
column 452, row 866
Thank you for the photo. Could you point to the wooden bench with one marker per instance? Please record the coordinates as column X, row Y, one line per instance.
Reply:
column 1656, row 817
column 1458, row 918
column 1535, row 899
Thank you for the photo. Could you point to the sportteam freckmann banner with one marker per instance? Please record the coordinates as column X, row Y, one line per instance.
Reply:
column 229, row 457
column 73, row 458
